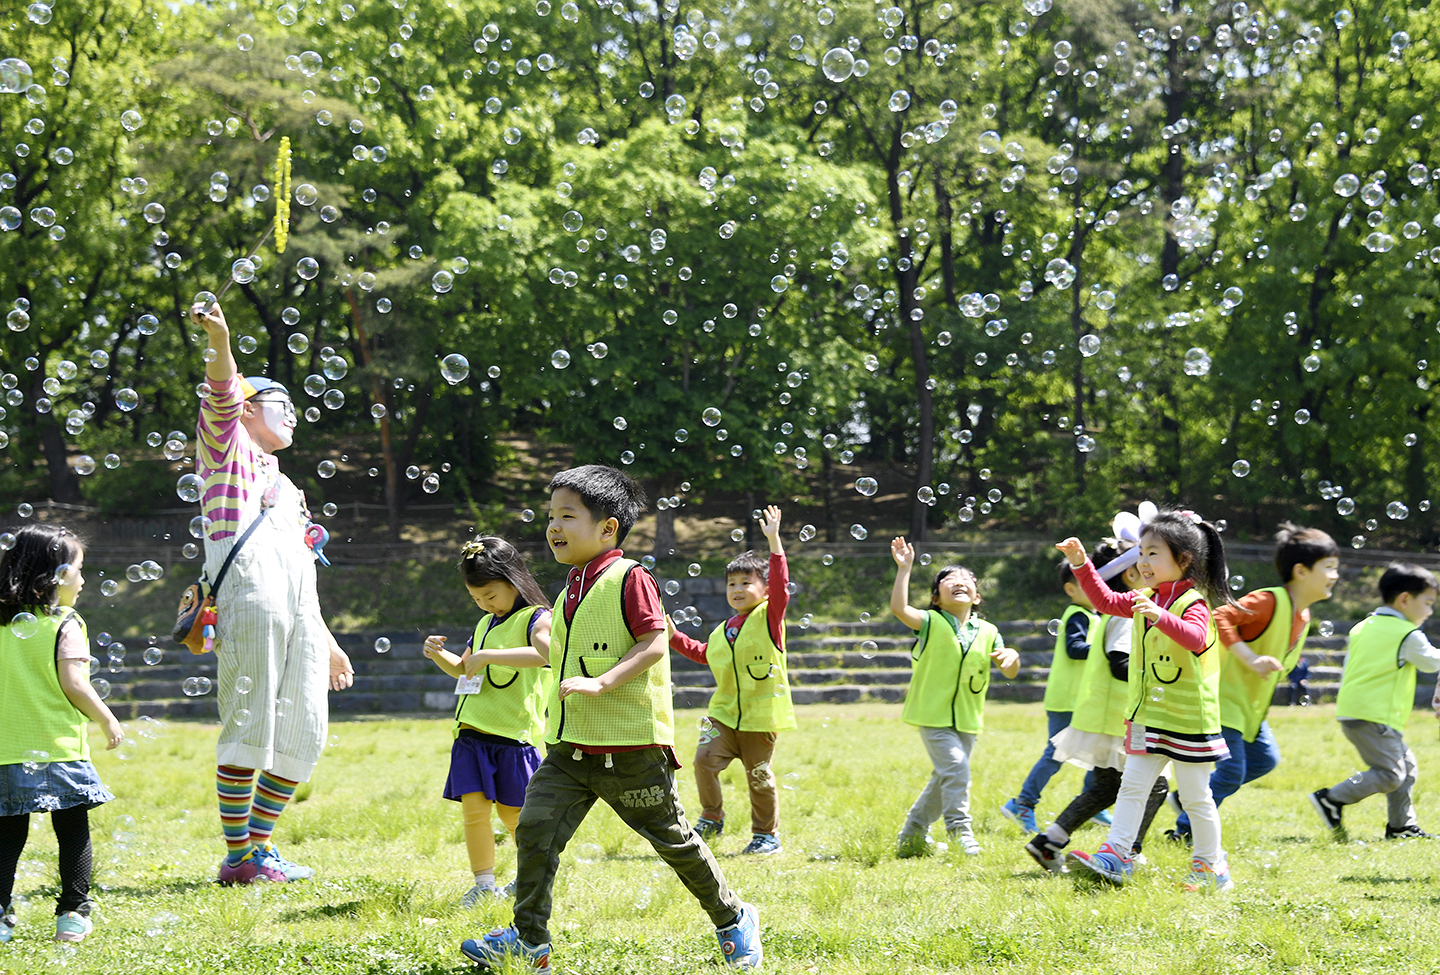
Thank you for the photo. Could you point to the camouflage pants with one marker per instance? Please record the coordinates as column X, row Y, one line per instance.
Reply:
column 640, row 787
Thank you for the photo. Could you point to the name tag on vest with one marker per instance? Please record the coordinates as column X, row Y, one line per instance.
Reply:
column 470, row 685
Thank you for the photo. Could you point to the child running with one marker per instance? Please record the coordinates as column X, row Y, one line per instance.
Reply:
column 1261, row 652
column 503, row 678
column 46, row 697
column 1062, row 689
column 1377, row 693
column 946, row 698
column 610, row 729
column 1095, row 737
column 751, row 703
column 1173, row 707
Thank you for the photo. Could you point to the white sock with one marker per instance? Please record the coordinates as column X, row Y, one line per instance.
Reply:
column 485, row 877
column 1056, row 835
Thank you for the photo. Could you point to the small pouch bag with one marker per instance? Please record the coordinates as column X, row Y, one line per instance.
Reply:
column 195, row 617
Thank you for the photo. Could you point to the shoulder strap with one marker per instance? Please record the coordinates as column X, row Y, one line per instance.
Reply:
column 225, row 566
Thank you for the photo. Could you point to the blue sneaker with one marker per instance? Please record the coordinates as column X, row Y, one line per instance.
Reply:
column 1106, row 863
column 493, row 948
column 270, row 857
column 72, row 926
column 1024, row 816
column 709, row 829
column 1205, row 876
column 1102, row 818
column 7, row 926
column 762, row 844
column 740, row 942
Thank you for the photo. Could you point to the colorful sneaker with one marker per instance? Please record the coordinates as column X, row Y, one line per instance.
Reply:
column 1328, row 809
column 1106, row 863
column 1102, row 818
column 1023, row 815
column 493, row 948
column 72, row 926
column 250, row 869
column 915, row 845
column 709, row 829
column 7, row 925
column 1203, row 876
column 740, row 942
column 965, row 840
column 269, row 856
column 482, row 890
column 1047, row 854
column 762, row 844
column 1411, row 832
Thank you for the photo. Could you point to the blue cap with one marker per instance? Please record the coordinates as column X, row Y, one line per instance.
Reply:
column 250, row 385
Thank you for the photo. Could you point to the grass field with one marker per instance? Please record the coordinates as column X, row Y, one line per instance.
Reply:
column 391, row 867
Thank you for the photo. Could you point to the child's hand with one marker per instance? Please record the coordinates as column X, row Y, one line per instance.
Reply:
column 902, row 552
column 1145, row 606
column 434, row 644
column 669, row 628
column 589, row 686
column 1265, row 665
column 114, row 733
column 1005, row 657
column 474, row 661
column 1073, row 550
column 213, row 322
column 770, row 522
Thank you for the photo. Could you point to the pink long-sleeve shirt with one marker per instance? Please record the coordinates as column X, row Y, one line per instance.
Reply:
column 778, row 594
column 1189, row 630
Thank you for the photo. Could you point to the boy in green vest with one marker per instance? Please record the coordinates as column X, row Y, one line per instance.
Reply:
column 1377, row 693
column 751, row 702
column 1262, row 651
column 1062, row 687
column 609, row 727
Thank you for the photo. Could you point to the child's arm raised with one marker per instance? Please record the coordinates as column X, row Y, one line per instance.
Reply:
column 648, row 650
column 904, row 555
column 685, row 644
column 778, row 587
column 1101, row 596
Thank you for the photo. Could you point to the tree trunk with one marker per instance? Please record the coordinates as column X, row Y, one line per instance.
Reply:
column 64, row 484
column 665, row 541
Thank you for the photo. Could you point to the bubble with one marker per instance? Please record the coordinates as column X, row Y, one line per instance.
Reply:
column 242, row 271
column 24, row 625
column 560, row 359
column 672, row 588
column 241, row 717
column 153, row 213
column 33, row 759
column 1157, row 693
column 1241, row 468
column 1357, row 541
column 109, row 587
column 382, row 644
column 838, row 64
column 1397, row 511
column 868, row 649
column 1089, row 345
column 1302, row 417
column 1325, row 628
column 282, row 706
column 900, row 101
column 1347, row 185
column 101, row 686
column 126, row 399
column 127, row 749
column 737, row 535
column 431, row 484
column 307, row 268
column 152, row 656
column 454, row 368
column 1345, row 506
column 858, row 532
column 867, row 486
column 193, row 686
column 325, row 469
column 297, row 343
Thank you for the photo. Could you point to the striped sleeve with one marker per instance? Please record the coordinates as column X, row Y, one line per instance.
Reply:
column 226, row 458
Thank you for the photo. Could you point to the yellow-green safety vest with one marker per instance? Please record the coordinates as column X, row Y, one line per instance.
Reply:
column 1378, row 684
column 752, row 692
column 1188, row 700
column 37, row 714
column 949, row 680
column 1100, row 707
column 638, row 712
column 1245, row 696
column 511, row 701
column 1062, row 687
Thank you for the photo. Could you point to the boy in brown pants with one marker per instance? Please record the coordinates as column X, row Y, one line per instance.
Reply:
column 752, row 695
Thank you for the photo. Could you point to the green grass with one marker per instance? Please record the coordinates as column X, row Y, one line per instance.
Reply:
column 392, row 864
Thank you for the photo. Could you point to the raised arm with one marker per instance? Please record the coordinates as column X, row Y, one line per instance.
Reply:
column 904, row 555
column 222, row 366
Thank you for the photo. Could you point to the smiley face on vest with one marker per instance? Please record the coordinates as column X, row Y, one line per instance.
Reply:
column 1164, row 659
column 758, row 661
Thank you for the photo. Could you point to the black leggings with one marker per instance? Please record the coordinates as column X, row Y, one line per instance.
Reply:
column 72, row 833
column 1101, row 795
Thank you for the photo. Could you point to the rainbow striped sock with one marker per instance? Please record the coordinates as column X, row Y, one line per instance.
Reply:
column 271, row 796
column 235, row 787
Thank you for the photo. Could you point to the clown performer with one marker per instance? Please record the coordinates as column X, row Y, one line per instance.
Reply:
column 276, row 659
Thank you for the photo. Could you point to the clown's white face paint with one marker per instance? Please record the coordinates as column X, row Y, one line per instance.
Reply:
column 271, row 422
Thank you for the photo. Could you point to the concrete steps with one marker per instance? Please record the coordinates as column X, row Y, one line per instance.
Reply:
column 827, row 664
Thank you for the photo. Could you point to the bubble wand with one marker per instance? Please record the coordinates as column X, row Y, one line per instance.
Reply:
column 280, row 226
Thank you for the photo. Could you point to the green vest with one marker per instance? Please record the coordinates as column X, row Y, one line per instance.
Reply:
column 511, row 702
column 1245, row 696
column 37, row 714
column 635, row 713
column 1377, row 683
column 747, row 696
column 1189, row 684
column 1063, row 685
column 1100, row 706
column 948, row 683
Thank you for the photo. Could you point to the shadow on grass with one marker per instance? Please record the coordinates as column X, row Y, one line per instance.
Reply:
column 1375, row 881
column 347, row 909
column 173, row 887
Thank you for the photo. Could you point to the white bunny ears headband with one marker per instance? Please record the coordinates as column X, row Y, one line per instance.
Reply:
column 1128, row 527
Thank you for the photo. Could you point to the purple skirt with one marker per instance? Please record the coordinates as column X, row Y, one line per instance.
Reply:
column 500, row 772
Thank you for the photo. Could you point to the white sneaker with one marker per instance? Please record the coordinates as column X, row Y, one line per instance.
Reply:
column 482, row 890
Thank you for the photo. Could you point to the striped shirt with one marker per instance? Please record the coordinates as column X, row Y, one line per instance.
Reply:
column 232, row 465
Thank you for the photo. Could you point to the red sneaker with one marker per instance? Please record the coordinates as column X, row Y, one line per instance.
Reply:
column 247, row 871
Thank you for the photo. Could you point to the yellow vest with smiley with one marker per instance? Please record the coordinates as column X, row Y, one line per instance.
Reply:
column 1171, row 688
column 751, row 689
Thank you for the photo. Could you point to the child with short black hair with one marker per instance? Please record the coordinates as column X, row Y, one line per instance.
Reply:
column 1387, row 649
column 1062, row 688
column 751, row 703
column 45, row 699
column 609, row 727
column 1261, row 652
column 946, row 698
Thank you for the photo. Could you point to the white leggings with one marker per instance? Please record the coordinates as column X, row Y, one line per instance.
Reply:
column 1193, row 781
